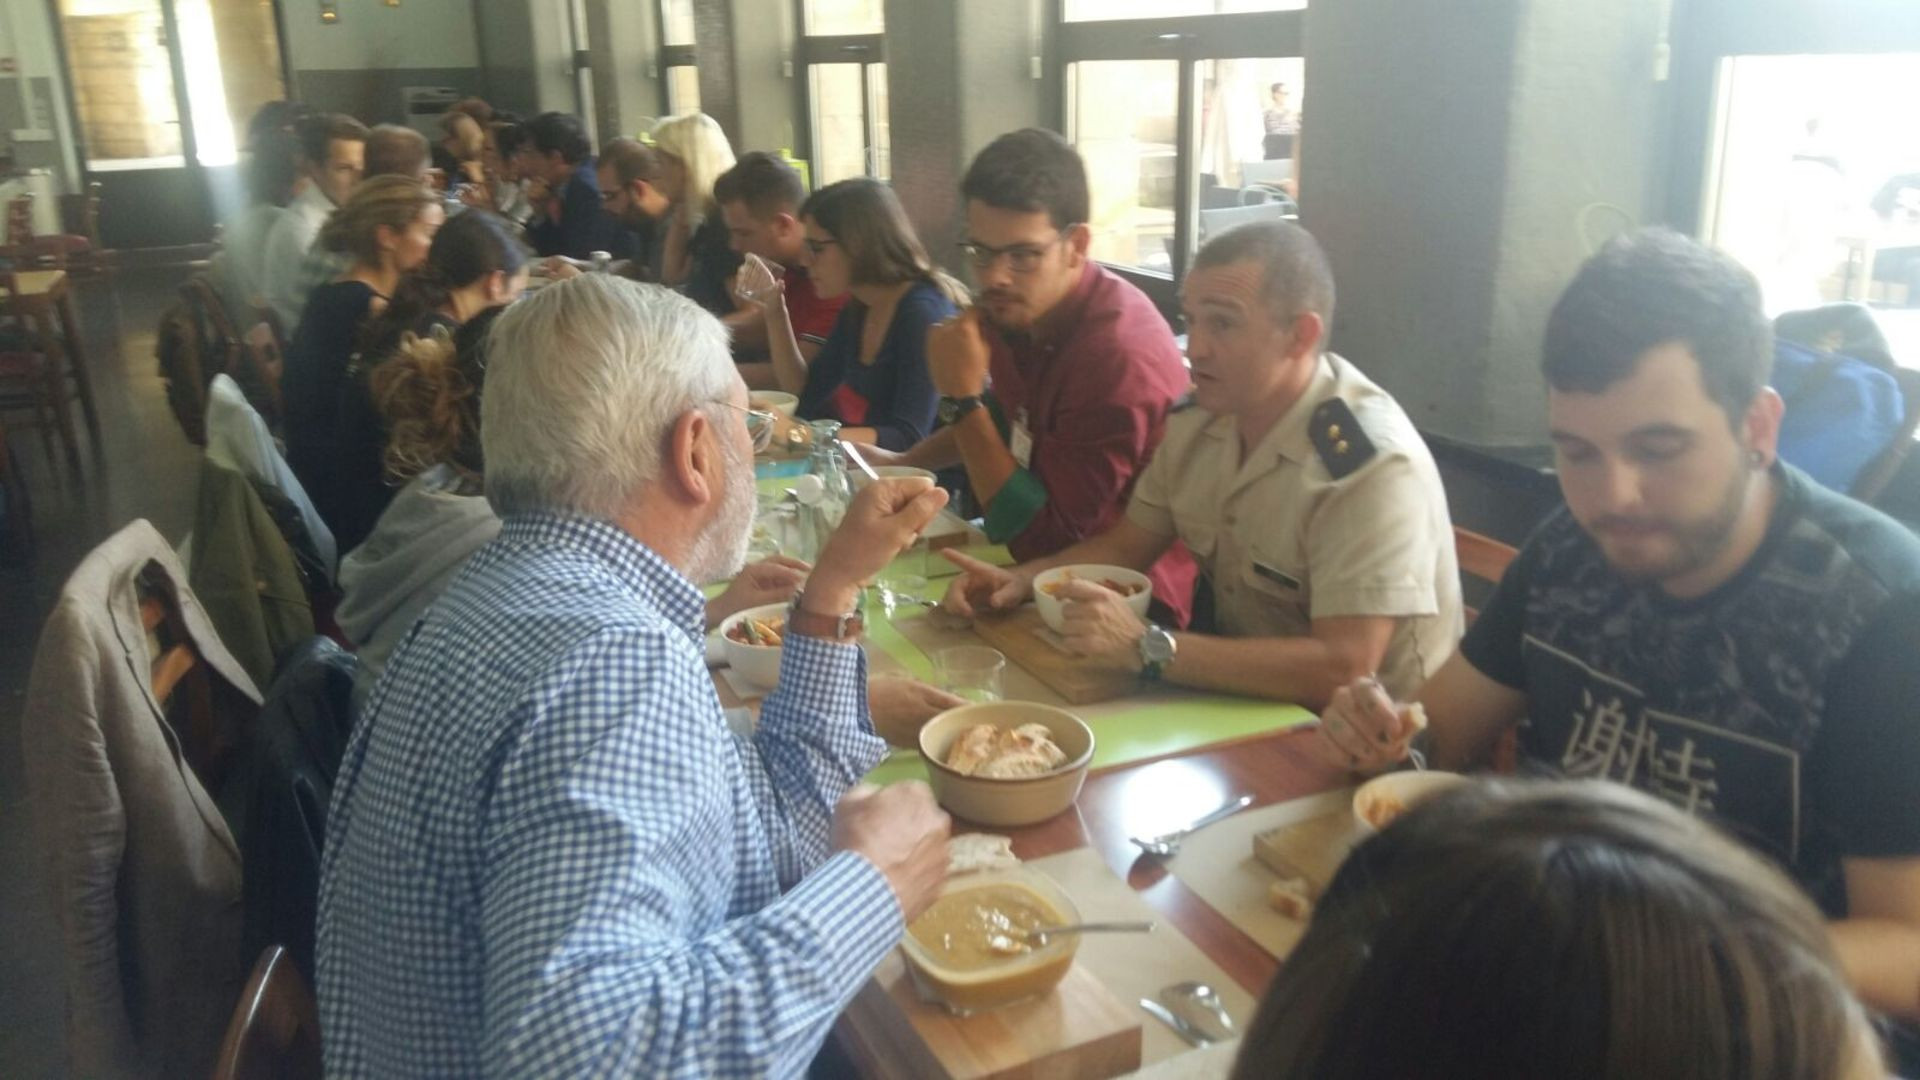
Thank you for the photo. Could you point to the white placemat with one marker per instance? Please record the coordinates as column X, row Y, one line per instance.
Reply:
column 1217, row 863
column 1133, row 966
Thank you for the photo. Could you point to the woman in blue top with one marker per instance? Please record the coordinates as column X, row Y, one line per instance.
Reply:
column 871, row 375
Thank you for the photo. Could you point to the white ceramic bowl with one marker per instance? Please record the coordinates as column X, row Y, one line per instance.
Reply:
column 758, row 664
column 1050, row 605
column 990, row 801
column 888, row 472
column 1407, row 789
column 773, row 401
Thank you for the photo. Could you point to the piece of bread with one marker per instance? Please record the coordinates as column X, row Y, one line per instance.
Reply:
column 971, row 852
column 1015, row 765
column 1038, row 738
column 972, row 748
column 1291, row 898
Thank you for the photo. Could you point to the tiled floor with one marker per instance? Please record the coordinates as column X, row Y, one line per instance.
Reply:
column 142, row 467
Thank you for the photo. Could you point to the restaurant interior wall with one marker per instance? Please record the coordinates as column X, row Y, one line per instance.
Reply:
column 961, row 73
column 359, row 63
column 526, row 51
column 1465, row 157
column 35, row 118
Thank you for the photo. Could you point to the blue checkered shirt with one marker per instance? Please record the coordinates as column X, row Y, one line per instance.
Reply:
column 548, row 856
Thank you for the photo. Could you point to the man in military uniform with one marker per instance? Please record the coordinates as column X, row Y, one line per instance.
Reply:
column 1300, row 486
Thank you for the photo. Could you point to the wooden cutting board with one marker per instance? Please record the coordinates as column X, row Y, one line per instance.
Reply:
column 1312, row 849
column 1079, row 1029
column 1026, row 641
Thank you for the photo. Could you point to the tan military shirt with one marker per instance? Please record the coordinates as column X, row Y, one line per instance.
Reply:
column 1283, row 542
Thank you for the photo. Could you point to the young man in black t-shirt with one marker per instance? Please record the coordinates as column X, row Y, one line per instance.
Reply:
column 1701, row 621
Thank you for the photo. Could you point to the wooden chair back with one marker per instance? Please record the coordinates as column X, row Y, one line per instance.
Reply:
column 1481, row 558
column 20, row 220
column 275, row 1030
column 264, row 364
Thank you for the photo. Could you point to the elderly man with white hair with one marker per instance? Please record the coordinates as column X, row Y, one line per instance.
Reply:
column 547, row 854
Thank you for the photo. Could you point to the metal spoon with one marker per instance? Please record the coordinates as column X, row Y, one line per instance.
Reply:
column 1180, row 1024
column 1200, row 1005
column 1039, row 935
column 1168, row 844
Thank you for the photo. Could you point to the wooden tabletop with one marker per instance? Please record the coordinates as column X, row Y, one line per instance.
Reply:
column 1150, row 798
column 38, row 283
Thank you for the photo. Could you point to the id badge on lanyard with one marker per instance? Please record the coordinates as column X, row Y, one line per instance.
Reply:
column 1021, row 441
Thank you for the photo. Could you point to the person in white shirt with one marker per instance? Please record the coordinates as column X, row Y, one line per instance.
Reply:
column 334, row 147
column 275, row 177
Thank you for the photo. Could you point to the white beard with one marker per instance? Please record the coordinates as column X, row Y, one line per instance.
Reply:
column 721, row 549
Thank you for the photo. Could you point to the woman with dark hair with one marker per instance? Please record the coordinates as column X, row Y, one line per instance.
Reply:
column 274, row 177
column 1580, row 931
column 476, row 263
column 386, row 228
column 871, row 375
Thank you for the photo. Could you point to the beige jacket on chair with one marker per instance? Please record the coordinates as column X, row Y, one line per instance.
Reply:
column 143, row 871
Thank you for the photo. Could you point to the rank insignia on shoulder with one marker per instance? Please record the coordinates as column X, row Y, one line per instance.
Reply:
column 1337, row 436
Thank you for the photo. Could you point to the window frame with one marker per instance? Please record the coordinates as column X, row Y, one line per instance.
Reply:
column 667, row 57
column 1707, row 34
column 813, row 49
column 1190, row 40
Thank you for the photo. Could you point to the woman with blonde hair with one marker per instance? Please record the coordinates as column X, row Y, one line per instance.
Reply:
column 1578, row 930
column 699, row 258
column 385, row 228
column 871, row 374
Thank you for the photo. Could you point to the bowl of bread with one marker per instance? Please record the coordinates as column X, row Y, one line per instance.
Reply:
column 1006, row 763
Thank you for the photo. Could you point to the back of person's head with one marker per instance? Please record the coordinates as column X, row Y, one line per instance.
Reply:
column 560, row 133
column 393, row 150
column 471, row 246
column 1578, row 930
column 467, row 134
column 866, row 218
column 318, row 131
column 273, row 168
column 509, row 138
column 430, row 392
column 1295, row 275
column 482, row 113
column 282, row 116
column 630, row 159
column 392, row 202
column 585, row 381
column 1032, row 170
column 702, row 149
column 1656, row 287
column 762, row 183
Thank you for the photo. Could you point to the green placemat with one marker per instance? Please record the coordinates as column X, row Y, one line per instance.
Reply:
column 1148, row 730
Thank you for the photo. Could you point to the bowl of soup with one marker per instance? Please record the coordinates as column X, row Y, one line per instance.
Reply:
column 1378, row 801
column 965, row 770
column 751, row 641
column 972, row 950
column 1132, row 585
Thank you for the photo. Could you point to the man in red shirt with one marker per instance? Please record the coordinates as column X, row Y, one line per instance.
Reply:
column 1059, row 380
column 760, row 201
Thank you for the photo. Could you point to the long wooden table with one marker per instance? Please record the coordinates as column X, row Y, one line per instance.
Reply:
column 1146, row 799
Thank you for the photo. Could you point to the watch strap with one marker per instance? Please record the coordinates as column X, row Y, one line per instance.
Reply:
column 843, row 627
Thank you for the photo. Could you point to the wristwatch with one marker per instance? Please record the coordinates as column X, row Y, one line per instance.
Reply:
column 844, row 627
column 1156, row 651
column 954, row 408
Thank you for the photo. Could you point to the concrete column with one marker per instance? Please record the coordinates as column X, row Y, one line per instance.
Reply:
column 958, row 75
column 1459, row 161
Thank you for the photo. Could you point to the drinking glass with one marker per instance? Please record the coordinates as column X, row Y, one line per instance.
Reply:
column 970, row 671
column 905, row 579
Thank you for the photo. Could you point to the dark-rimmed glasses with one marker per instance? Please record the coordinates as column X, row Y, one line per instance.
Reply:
column 1023, row 258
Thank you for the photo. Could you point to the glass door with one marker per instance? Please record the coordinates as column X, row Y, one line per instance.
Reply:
column 162, row 91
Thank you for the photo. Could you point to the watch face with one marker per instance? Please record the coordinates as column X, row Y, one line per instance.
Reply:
column 1157, row 646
